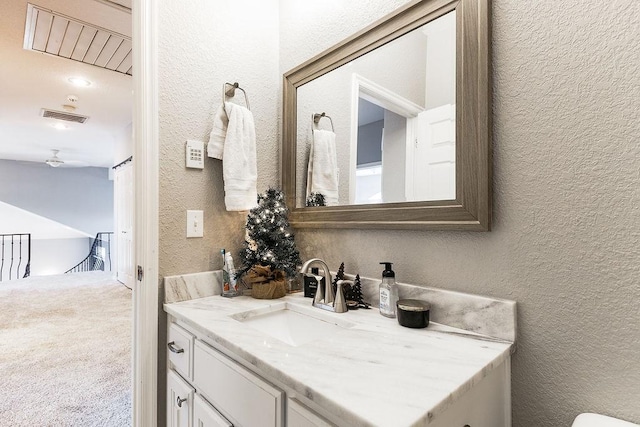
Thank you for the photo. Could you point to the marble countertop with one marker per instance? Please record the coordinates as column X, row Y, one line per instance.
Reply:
column 374, row 373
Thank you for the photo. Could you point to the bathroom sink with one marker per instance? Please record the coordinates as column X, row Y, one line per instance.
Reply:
column 293, row 324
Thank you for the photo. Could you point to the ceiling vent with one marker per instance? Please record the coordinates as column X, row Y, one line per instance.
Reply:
column 61, row 115
column 49, row 32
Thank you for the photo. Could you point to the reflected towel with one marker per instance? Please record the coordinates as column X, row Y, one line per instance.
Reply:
column 322, row 172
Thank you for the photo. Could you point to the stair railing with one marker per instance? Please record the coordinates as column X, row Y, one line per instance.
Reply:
column 15, row 256
column 99, row 254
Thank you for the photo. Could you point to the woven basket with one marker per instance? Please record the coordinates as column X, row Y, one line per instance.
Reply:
column 270, row 290
column 266, row 284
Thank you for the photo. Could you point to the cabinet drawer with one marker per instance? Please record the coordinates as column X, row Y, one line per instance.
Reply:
column 240, row 395
column 299, row 415
column 180, row 349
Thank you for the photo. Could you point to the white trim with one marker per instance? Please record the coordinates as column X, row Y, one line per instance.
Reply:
column 146, row 130
column 368, row 90
column 29, row 31
column 353, row 143
column 385, row 98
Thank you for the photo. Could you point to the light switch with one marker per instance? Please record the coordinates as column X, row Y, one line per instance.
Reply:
column 195, row 224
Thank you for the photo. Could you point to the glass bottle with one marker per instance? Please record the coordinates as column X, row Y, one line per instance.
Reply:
column 388, row 291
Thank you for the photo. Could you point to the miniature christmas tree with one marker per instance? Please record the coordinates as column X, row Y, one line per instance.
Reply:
column 350, row 294
column 316, row 199
column 353, row 295
column 356, row 293
column 339, row 276
column 269, row 241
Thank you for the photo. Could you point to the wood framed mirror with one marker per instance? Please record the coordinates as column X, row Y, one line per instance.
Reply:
column 463, row 202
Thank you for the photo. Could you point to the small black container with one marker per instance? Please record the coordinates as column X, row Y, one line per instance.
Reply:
column 413, row 313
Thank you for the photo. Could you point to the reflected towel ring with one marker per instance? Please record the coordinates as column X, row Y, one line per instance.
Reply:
column 317, row 116
column 231, row 92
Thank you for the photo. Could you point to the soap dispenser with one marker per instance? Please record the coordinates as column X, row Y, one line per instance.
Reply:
column 311, row 282
column 388, row 291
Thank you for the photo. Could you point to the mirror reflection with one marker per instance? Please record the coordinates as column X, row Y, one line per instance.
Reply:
column 381, row 128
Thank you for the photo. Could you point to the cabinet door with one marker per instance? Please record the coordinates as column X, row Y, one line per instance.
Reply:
column 487, row 404
column 179, row 401
column 299, row 415
column 239, row 394
column 204, row 415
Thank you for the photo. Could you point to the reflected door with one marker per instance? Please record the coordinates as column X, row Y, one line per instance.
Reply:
column 434, row 154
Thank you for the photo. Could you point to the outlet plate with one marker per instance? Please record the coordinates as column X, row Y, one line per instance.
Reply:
column 195, row 224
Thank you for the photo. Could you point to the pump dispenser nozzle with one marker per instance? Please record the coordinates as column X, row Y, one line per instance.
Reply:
column 388, row 272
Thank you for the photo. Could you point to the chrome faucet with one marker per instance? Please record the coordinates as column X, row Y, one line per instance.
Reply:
column 324, row 297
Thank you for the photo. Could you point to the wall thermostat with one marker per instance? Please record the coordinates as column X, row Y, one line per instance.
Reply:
column 195, row 154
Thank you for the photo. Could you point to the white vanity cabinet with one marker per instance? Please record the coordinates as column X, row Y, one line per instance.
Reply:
column 207, row 389
column 451, row 380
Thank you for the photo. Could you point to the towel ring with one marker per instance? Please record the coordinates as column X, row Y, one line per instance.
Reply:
column 317, row 116
column 231, row 92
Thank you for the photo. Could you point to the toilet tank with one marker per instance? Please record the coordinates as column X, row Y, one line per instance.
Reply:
column 595, row 420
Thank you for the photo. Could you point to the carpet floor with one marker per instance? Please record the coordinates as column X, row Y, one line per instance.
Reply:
column 65, row 351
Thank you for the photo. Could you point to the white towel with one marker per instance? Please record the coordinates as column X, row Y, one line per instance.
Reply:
column 322, row 172
column 218, row 133
column 235, row 143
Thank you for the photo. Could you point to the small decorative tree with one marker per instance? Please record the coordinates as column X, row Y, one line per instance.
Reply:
column 339, row 276
column 316, row 199
column 269, row 244
column 355, row 293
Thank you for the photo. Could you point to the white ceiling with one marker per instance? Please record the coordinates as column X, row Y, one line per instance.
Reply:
column 30, row 81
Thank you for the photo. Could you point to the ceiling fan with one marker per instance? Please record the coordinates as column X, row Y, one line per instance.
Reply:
column 55, row 161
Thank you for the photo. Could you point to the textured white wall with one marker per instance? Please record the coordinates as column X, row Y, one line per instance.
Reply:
column 202, row 45
column 565, row 240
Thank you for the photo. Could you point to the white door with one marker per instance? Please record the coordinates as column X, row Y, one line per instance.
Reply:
column 434, row 155
column 123, row 195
